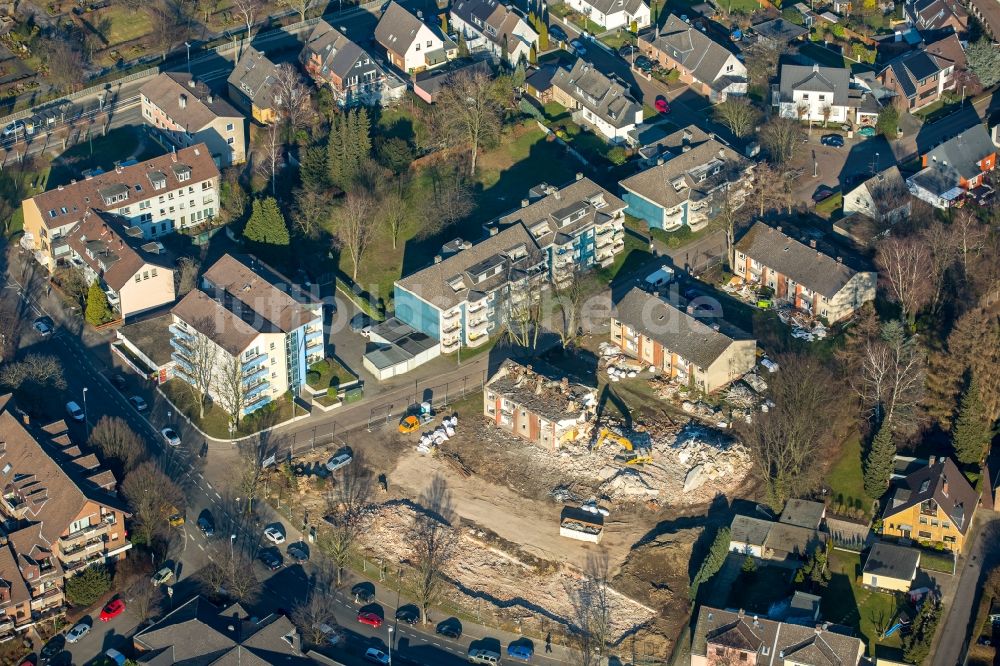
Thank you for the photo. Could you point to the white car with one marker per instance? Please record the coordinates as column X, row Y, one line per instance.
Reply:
column 77, row 632
column 169, row 434
column 274, row 535
column 138, row 403
column 163, row 575
column 770, row 365
column 13, row 128
column 75, row 412
column 376, row 656
column 338, row 461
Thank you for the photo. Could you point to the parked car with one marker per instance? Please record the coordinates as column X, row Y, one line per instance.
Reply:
column 333, row 637
column 113, row 609
column 138, row 402
column 409, row 614
column 44, row 326
column 822, row 194
column 270, row 560
column 362, row 324
column 376, row 656
column 13, row 128
column 119, row 381
column 371, row 619
column 364, row 593
column 52, row 649
column 578, row 47
column 520, row 651
column 832, row 140
column 163, row 576
column 450, row 628
column 77, row 632
column 338, row 461
column 661, row 104
column 115, row 657
column 644, row 63
column 482, row 656
column 206, row 524
column 557, row 33
column 627, row 51
column 298, row 554
column 274, row 535
column 169, row 434
column 75, row 412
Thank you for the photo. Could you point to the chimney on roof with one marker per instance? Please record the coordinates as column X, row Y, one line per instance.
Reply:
column 931, row 460
column 26, row 419
column 579, row 175
column 812, row 243
column 944, row 487
column 437, row 258
column 72, row 181
column 118, row 167
column 686, row 148
column 209, row 98
column 121, row 244
column 778, row 228
column 659, row 160
column 840, row 260
column 104, row 228
column 182, row 100
column 494, row 231
column 191, row 83
column 525, row 202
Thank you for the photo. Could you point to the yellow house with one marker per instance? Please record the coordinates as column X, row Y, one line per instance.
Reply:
column 253, row 86
column 933, row 505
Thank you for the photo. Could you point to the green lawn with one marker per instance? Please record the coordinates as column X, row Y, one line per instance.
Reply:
column 755, row 592
column 125, row 25
column 933, row 560
column 847, row 487
column 845, row 602
column 636, row 253
column 328, row 373
column 619, row 39
column 833, row 203
column 216, row 420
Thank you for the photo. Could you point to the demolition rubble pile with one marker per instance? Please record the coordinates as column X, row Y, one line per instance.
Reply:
column 487, row 574
column 430, row 441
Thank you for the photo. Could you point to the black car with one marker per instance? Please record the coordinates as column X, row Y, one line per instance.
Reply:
column 119, row 381
column 206, row 526
column 270, row 560
column 51, row 649
column 409, row 614
column 644, row 63
column 364, row 593
column 450, row 628
column 833, row 140
column 627, row 51
column 362, row 323
column 298, row 554
column 557, row 33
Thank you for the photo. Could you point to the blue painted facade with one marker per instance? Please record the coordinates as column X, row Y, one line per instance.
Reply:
column 418, row 313
column 646, row 210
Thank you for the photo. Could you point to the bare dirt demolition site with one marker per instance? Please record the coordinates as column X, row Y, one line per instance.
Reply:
column 511, row 563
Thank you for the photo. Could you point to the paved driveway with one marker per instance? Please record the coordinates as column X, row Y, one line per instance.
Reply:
column 838, row 168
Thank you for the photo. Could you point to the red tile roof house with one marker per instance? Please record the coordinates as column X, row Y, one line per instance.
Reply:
column 954, row 167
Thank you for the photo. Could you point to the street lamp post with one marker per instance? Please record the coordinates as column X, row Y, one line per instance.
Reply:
column 86, row 418
column 188, row 45
column 232, row 540
column 390, row 646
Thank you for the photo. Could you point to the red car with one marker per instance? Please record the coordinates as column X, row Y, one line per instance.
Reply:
column 371, row 619
column 114, row 608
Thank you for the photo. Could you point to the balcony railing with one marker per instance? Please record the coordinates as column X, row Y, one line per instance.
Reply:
column 89, row 531
column 477, row 306
column 314, row 335
column 248, row 364
column 183, row 362
column 254, row 375
column 256, row 389
column 178, row 332
column 315, row 342
column 450, row 343
column 478, row 324
column 451, row 314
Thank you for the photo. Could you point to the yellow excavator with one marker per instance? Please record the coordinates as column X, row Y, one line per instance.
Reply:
column 630, row 455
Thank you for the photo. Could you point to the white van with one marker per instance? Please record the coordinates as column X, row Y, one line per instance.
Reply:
column 480, row 656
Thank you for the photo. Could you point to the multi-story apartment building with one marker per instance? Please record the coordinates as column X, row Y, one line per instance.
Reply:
column 735, row 637
column 60, row 515
column 801, row 275
column 136, row 274
column 687, row 350
column 181, row 112
column 546, row 410
column 162, row 195
column 577, row 226
column 933, row 505
column 465, row 296
column 689, row 189
column 247, row 315
column 354, row 76
column 495, row 27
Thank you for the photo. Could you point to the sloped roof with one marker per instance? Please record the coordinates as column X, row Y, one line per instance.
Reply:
column 540, row 390
column 255, row 76
column 912, row 67
column 630, row 7
column 815, row 78
column 936, row 14
column 963, row 153
column 606, row 97
column 816, row 646
column 135, row 181
column 683, row 334
column 693, row 49
column 201, row 105
column 884, row 181
column 397, row 28
column 102, row 243
column 657, row 182
column 207, row 316
column 337, row 53
column 943, row 483
column 731, row 629
column 434, row 283
column 257, row 287
column 565, row 210
column 807, row 266
column 779, row 30
column 495, row 20
column 892, row 561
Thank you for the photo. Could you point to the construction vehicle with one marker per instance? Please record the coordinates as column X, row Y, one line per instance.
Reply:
column 630, row 455
column 413, row 422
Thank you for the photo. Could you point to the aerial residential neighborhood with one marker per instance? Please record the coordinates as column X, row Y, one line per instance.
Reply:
column 591, row 332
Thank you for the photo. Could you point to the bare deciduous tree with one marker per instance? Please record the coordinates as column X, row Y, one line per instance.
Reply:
column 248, row 10
column 738, row 114
column 394, row 211
column 231, row 389
column 522, row 309
column 253, row 452
column 355, row 225
column 890, row 379
column 171, row 23
column 65, row 61
column 904, row 266
column 345, row 504
column 295, row 98
column 471, row 106
column 270, row 153
column 187, row 275
column 315, row 616
column 780, row 137
column 202, row 356
column 115, row 439
column 150, row 494
column 592, row 610
column 310, row 209
column 785, row 441
column 968, row 236
column 301, row 6
column 144, row 599
column 569, row 302
column 433, row 540
column 450, row 201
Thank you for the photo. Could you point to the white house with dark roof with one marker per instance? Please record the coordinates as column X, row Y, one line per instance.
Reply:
column 802, row 275
column 495, row 27
column 611, row 14
column 710, row 67
column 689, row 188
column 814, row 93
column 684, row 348
column 600, row 101
column 411, row 44
column 353, row 74
column 884, row 197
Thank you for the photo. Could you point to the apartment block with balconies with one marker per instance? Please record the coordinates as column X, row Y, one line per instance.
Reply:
column 251, row 322
column 61, row 515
